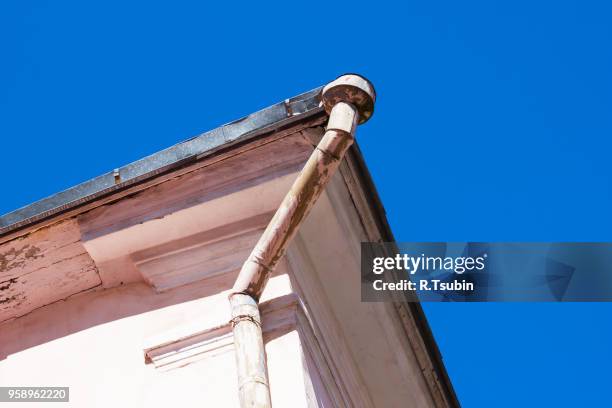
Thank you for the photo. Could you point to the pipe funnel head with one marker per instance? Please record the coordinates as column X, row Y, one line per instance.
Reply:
column 353, row 89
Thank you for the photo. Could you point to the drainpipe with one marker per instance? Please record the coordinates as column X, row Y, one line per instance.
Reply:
column 349, row 101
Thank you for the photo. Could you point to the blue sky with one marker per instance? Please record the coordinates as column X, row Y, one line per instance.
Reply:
column 493, row 124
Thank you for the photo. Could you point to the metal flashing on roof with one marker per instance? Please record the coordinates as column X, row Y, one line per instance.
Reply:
column 191, row 150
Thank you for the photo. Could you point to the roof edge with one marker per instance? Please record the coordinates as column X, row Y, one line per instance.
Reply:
column 206, row 144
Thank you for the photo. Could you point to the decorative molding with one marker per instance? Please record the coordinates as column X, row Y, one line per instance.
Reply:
column 189, row 344
column 205, row 255
column 183, row 351
column 186, row 246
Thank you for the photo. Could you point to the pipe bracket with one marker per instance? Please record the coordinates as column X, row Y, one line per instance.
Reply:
column 243, row 318
column 253, row 379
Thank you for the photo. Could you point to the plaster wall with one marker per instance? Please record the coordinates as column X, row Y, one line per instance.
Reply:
column 94, row 342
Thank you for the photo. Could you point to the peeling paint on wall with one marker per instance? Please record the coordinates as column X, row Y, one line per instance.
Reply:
column 43, row 267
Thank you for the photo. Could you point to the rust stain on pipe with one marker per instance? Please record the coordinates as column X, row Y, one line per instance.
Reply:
column 297, row 203
column 284, row 225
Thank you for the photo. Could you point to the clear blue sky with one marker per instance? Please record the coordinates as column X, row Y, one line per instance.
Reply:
column 493, row 123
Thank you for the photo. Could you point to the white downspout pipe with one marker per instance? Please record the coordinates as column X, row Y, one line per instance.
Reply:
column 349, row 101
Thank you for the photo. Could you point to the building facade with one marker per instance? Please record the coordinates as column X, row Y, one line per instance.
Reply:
column 117, row 288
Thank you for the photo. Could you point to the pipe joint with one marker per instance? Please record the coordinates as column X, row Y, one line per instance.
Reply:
column 353, row 89
column 252, row 278
column 242, row 318
column 253, row 379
